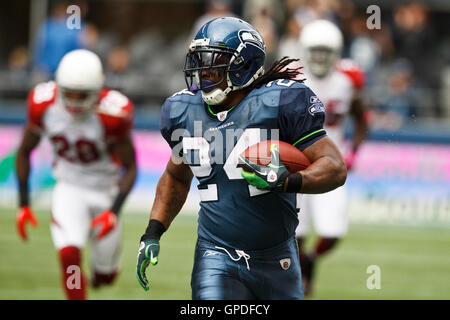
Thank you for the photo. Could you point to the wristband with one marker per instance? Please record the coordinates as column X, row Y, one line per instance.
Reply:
column 23, row 194
column 294, row 183
column 118, row 202
column 154, row 230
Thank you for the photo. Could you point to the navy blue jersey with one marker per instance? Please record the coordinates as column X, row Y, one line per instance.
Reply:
column 233, row 213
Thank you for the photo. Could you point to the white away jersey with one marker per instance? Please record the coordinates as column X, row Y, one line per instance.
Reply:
column 81, row 146
column 336, row 93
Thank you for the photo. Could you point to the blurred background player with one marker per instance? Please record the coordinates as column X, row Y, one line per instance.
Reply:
column 89, row 128
column 53, row 40
column 337, row 84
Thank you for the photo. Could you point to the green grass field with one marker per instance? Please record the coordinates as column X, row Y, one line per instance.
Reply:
column 414, row 263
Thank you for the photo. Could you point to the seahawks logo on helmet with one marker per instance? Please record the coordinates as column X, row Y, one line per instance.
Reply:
column 252, row 38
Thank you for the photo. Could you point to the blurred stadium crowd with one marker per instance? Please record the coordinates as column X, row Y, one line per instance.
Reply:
column 143, row 44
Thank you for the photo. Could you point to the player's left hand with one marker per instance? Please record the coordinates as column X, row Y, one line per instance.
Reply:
column 148, row 253
column 107, row 220
column 270, row 177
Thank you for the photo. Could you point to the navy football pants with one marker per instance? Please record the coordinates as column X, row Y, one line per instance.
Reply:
column 224, row 273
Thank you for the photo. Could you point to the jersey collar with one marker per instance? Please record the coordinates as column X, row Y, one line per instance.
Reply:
column 221, row 116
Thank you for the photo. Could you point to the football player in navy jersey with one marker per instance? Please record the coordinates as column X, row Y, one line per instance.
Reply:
column 246, row 247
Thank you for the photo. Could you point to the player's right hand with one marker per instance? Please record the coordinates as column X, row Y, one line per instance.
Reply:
column 349, row 159
column 148, row 253
column 269, row 177
column 107, row 220
column 24, row 215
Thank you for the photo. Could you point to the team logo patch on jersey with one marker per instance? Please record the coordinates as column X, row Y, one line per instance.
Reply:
column 314, row 99
column 222, row 115
column 285, row 263
column 316, row 108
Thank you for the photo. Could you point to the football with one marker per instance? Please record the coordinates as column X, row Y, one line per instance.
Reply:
column 290, row 156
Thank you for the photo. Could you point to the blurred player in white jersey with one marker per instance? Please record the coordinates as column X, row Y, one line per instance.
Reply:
column 94, row 165
column 338, row 85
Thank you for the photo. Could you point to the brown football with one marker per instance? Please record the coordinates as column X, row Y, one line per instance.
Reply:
column 290, row 156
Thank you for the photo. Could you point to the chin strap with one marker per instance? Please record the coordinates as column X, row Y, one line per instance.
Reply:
column 217, row 96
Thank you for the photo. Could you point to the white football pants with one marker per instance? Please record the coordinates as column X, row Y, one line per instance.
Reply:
column 73, row 208
column 328, row 212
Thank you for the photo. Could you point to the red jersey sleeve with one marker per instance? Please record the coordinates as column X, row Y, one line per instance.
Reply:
column 116, row 113
column 39, row 99
column 354, row 71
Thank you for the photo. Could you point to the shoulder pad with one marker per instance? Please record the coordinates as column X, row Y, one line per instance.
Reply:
column 40, row 98
column 116, row 113
column 114, row 103
column 177, row 104
column 174, row 112
column 354, row 71
column 185, row 95
column 270, row 93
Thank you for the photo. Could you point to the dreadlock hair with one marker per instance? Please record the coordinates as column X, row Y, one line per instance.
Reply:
column 278, row 70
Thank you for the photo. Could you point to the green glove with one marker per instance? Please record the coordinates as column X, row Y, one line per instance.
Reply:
column 148, row 253
column 271, row 177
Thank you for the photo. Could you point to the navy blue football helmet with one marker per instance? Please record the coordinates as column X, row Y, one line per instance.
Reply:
column 230, row 46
